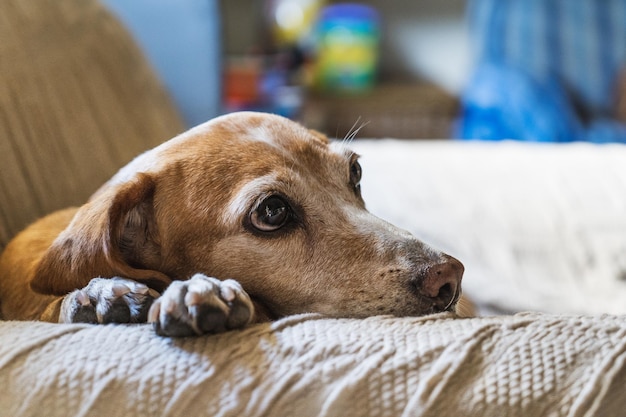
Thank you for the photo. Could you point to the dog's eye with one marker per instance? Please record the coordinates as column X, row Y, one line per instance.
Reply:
column 355, row 174
column 272, row 214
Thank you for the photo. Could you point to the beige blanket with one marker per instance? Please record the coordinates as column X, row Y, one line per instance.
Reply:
column 524, row 365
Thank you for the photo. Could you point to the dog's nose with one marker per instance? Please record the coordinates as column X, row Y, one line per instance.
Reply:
column 442, row 282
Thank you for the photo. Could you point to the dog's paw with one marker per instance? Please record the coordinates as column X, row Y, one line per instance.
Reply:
column 108, row 300
column 201, row 305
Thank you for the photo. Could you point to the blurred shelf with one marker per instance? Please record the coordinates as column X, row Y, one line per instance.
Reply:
column 404, row 111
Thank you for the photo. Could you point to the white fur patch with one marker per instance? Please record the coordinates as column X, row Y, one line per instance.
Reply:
column 263, row 134
column 368, row 224
column 339, row 147
column 243, row 199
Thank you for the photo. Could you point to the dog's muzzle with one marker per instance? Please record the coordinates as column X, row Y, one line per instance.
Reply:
column 441, row 283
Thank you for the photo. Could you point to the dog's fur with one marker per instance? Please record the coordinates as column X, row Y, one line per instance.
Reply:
column 247, row 196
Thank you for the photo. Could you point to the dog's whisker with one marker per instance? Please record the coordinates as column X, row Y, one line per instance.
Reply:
column 349, row 138
column 354, row 130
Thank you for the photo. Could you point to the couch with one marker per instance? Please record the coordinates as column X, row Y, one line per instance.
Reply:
column 539, row 228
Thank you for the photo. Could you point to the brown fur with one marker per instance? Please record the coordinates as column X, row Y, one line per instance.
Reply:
column 179, row 210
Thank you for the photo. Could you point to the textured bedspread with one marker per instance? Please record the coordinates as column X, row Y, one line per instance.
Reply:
column 524, row 365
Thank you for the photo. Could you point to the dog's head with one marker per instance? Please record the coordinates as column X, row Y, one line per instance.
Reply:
column 260, row 199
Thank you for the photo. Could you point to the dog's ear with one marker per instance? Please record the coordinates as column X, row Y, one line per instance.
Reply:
column 114, row 234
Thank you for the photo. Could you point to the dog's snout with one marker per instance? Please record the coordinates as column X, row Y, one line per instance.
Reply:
column 442, row 282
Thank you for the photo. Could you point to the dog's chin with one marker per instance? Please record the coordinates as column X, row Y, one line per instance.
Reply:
column 411, row 305
column 418, row 308
column 433, row 310
column 428, row 307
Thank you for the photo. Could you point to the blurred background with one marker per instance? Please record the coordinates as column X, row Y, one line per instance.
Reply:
column 536, row 70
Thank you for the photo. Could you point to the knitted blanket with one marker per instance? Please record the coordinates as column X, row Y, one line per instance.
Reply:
column 524, row 365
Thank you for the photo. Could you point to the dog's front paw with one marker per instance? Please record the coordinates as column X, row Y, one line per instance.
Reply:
column 201, row 305
column 112, row 300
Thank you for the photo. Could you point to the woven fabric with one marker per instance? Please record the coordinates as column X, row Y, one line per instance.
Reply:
column 77, row 102
column 525, row 365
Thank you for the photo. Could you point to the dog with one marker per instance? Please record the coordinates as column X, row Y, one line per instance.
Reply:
column 246, row 218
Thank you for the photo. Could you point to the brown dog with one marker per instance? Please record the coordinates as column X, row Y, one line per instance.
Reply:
column 249, row 196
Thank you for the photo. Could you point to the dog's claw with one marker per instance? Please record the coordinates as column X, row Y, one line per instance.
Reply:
column 201, row 305
column 227, row 293
column 155, row 310
column 82, row 298
column 193, row 299
column 119, row 289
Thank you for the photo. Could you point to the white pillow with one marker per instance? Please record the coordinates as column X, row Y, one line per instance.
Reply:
column 538, row 226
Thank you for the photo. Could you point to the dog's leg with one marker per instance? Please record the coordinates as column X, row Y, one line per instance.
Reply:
column 114, row 300
column 201, row 305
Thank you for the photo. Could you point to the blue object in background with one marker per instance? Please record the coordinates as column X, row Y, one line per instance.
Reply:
column 181, row 39
column 502, row 102
column 535, row 59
